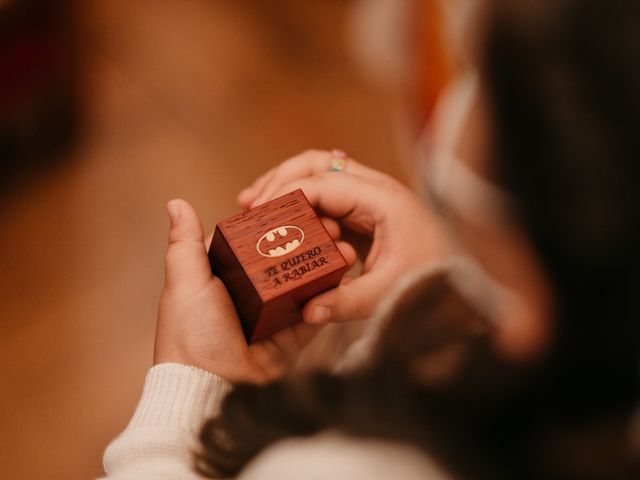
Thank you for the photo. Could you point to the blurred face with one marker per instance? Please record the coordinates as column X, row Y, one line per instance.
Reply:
column 480, row 217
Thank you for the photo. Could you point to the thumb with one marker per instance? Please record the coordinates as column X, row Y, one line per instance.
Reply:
column 186, row 262
column 352, row 300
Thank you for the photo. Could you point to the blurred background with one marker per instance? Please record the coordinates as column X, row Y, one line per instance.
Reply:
column 110, row 108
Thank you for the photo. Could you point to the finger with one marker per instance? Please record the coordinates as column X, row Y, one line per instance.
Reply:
column 278, row 350
column 186, row 262
column 307, row 164
column 208, row 240
column 332, row 227
column 348, row 252
column 347, row 279
column 249, row 194
column 246, row 196
column 352, row 300
column 357, row 203
column 303, row 165
column 304, row 334
column 293, row 339
column 269, row 353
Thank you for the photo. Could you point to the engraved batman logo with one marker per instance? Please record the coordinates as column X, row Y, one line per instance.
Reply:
column 280, row 241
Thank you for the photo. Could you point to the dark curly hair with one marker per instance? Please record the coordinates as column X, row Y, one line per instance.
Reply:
column 564, row 89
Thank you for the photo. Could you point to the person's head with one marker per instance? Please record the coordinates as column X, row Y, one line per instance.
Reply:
column 551, row 214
column 536, row 169
column 563, row 83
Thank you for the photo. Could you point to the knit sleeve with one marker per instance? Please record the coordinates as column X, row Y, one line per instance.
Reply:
column 162, row 435
column 341, row 457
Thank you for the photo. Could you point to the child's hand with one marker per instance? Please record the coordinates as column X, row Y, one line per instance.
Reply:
column 403, row 231
column 197, row 322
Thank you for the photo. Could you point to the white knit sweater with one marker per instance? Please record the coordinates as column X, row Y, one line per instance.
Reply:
column 161, row 437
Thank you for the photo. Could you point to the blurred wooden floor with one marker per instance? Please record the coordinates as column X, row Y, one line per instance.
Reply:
column 191, row 99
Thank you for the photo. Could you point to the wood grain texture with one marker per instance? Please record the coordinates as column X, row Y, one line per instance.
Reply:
column 273, row 259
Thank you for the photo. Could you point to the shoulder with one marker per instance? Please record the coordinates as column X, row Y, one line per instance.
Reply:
column 337, row 456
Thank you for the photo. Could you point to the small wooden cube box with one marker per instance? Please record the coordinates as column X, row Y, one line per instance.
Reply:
column 273, row 259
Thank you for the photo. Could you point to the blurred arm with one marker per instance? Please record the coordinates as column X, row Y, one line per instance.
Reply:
column 162, row 435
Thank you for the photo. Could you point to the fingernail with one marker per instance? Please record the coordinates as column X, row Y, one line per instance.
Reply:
column 337, row 153
column 173, row 208
column 320, row 314
column 245, row 193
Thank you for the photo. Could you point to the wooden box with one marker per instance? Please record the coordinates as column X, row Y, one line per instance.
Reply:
column 273, row 259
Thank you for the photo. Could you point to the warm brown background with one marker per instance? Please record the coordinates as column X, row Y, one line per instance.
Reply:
column 189, row 98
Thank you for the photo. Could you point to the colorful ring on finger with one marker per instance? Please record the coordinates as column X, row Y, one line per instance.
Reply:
column 338, row 160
